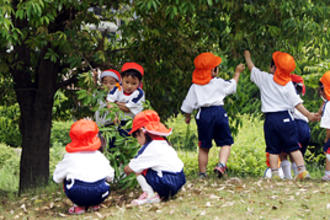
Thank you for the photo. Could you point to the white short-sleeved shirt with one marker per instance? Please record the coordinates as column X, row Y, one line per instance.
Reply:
column 157, row 155
column 325, row 119
column 211, row 94
column 88, row 166
column 274, row 97
column 134, row 101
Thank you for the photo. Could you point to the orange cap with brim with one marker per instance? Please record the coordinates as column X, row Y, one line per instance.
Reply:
column 204, row 63
column 84, row 137
column 132, row 66
column 285, row 64
column 325, row 80
column 150, row 121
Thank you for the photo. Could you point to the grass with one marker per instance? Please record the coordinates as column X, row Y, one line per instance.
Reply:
column 233, row 198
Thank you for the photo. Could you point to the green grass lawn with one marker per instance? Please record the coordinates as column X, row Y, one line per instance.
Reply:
column 212, row 198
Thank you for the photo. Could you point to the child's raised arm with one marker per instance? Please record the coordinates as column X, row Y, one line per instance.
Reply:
column 248, row 59
column 239, row 68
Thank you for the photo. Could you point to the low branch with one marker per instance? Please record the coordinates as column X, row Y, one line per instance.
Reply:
column 67, row 82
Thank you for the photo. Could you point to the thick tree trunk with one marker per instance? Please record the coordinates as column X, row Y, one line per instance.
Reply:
column 35, row 127
column 36, row 102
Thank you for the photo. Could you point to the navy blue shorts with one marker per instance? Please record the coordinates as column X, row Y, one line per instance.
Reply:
column 86, row 194
column 165, row 186
column 281, row 133
column 326, row 147
column 213, row 125
column 304, row 134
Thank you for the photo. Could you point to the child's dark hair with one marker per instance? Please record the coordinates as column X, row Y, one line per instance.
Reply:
column 298, row 88
column 272, row 63
column 148, row 138
column 132, row 73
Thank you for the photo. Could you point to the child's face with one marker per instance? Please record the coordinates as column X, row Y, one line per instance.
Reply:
column 140, row 137
column 215, row 71
column 321, row 92
column 130, row 84
column 109, row 82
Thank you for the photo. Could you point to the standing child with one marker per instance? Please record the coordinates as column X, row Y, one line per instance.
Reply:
column 158, row 169
column 109, row 79
column 303, row 130
column 84, row 170
column 325, row 120
column 278, row 98
column 207, row 94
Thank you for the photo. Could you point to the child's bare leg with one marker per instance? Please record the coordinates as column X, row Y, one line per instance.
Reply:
column 224, row 154
column 298, row 159
column 273, row 162
column 144, row 185
column 203, row 157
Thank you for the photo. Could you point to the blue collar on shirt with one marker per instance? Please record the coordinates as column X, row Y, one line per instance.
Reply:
column 142, row 149
column 324, row 107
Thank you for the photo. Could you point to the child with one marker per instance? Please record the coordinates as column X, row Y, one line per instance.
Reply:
column 158, row 169
column 109, row 79
column 84, row 170
column 278, row 98
column 207, row 94
column 325, row 120
column 303, row 130
column 129, row 97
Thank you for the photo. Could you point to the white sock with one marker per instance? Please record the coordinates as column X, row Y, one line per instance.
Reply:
column 327, row 173
column 295, row 169
column 286, row 167
column 144, row 185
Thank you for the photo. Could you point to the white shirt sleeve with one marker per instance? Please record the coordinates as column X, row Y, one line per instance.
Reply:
column 135, row 104
column 143, row 161
column 325, row 119
column 61, row 170
column 189, row 103
column 229, row 86
column 113, row 95
column 293, row 97
column 257, row 76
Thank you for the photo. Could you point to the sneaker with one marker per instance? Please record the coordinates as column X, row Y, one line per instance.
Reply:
column 220, row 170
column 144, row 199
column 77, row 210
column 326, row 178
column 202, row 175
column 95, row 207
column 304, row 175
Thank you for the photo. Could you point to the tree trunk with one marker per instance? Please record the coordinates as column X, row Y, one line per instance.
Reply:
column 36, row 102
column 35, row 124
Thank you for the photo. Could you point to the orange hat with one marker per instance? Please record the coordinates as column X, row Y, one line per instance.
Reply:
column 84, row 137
column 150, row 121
column 285, row 64
column 300, row 81
column 325, row 80
column 111, row 72
column 132, row 66
column 204, row 63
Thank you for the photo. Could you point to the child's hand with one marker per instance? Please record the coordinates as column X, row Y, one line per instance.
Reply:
column 239, row 68
column 314, row 117
column 109, row 179
column 188, row 118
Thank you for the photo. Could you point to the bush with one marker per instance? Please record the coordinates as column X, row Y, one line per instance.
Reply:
column 9, row 129
column 184, row 136
column 247, row 156
column 60, row 133
column 9, row 168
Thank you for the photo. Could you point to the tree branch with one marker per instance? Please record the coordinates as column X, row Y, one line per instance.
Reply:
column 67, row 82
